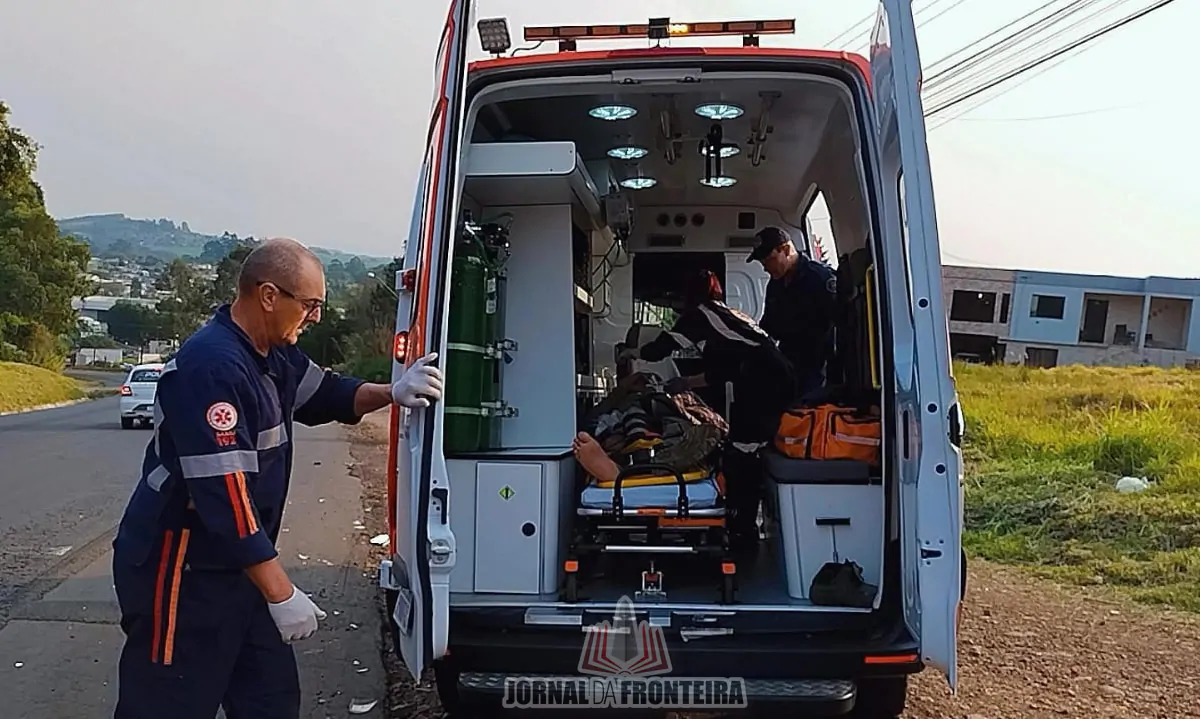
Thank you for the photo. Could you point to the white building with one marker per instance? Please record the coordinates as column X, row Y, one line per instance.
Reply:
column 1046, row 319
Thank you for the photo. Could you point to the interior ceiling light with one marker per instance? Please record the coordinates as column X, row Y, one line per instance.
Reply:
column 628, row 152
column 613, row 112
column 726, row 150
column 638, row 183
column 719, row 111
column 719, row 181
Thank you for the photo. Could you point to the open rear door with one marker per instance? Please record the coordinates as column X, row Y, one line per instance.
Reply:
column 930, row 460
column 423, row 547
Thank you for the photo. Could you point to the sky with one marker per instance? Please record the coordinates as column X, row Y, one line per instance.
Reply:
column 307, row 118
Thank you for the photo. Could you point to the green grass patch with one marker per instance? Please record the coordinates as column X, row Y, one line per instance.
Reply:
column 1044, row 449
column 23, row 386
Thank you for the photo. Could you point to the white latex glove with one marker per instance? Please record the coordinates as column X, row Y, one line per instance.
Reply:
column 419, row 384
column 296, row 617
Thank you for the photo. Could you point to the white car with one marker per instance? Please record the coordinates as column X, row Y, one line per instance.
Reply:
column 137, row 395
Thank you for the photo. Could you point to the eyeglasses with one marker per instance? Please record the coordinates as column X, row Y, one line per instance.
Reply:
column 311, row 306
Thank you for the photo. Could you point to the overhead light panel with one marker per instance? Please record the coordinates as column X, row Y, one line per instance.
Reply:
column 720, row 111
column 613, row 113
column 718, row 182
column 726, row 150
column 638, row 183
column 628, row 152
column 494, row 36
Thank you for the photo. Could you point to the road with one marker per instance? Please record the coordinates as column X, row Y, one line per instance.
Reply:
column 65, row 477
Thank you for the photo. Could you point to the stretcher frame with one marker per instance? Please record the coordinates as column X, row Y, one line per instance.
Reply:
column 703, row 530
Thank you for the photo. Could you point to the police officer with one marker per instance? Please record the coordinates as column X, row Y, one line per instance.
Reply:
column 208, row 611
column 800, row 306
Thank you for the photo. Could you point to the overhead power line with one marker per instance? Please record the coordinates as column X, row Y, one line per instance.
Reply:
column 1049, row 57
column 1005, row 61
column 932, row 67
column 933, row 79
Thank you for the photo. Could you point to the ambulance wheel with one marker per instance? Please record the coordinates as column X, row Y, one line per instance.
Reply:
column 127, row 423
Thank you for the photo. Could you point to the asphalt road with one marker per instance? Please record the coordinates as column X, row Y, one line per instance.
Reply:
column 65, row 476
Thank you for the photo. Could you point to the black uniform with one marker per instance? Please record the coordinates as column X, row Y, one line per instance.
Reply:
column 799, row 312
column 736, row 350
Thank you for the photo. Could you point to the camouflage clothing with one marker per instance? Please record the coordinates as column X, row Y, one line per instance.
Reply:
column 639, row 423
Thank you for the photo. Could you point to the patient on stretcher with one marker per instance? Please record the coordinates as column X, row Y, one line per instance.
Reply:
column 641, row 424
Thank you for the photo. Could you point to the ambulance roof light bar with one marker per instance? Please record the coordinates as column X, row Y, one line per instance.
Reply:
column 659, row 29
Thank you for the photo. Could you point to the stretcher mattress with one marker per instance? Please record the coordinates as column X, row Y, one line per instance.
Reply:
column 703, row 492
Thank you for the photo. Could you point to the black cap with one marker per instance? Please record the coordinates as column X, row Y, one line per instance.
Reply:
column 769, row 239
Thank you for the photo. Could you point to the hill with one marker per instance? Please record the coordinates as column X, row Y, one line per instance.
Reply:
column 115, row 235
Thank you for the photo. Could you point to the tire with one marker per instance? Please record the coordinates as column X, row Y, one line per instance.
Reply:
column 880, row 698
column 127, row 423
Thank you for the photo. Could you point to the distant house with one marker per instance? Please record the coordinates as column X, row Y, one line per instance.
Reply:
column 84, row 357
column 1045, row 319
column 97, row 307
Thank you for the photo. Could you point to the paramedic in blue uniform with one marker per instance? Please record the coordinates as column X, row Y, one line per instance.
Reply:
column 733, row 349
column 800, row 306
column 209, row 613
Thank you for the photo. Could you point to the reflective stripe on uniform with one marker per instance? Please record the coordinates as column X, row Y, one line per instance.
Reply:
column 215, row 465
column 157, row 477
column 719, row 326
column 271, row 438
column 309, row 384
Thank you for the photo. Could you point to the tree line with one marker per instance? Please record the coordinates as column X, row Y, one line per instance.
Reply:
column 40, row 270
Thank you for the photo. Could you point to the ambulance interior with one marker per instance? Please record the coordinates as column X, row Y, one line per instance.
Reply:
column 609, row 196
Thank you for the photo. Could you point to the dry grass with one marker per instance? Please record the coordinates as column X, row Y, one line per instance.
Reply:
column 23, row 386
column 1044, row 450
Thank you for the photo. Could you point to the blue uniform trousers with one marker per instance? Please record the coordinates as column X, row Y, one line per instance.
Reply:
column 199, row 640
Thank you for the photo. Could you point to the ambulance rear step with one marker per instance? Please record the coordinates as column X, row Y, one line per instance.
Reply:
column 807, row 697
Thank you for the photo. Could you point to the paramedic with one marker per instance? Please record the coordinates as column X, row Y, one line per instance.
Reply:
column 207, row 609
column 800, row 306
column 735, row 350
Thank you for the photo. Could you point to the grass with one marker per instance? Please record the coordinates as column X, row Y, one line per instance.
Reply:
column 1044, row 449
column 23, row 386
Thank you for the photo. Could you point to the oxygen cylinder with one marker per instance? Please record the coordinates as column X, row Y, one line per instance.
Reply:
column 469, row 343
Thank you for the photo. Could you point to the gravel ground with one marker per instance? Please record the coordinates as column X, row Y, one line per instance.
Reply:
column 1028, row 649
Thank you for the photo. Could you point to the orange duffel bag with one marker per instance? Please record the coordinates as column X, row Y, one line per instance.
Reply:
column 797, row 428
column 830, row 432
column 854, row 435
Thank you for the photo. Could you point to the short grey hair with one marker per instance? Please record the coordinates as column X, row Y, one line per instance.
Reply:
column 275, row 258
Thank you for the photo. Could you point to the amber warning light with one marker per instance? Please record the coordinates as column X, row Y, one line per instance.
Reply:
column 660, row 29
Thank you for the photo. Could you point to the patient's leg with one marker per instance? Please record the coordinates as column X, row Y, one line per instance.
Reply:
column 594, row 460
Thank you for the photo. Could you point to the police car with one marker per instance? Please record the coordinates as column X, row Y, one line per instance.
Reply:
column 137, row 395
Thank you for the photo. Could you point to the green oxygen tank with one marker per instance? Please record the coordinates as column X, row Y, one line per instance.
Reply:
column 468, row 346
column 473, row 403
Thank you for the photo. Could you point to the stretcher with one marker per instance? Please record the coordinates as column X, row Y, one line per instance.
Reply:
column 654, row 511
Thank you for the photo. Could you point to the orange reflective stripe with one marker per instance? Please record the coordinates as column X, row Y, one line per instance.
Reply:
column 159, row 583
column 247, row 507
column 235, row 500
column 169, row 649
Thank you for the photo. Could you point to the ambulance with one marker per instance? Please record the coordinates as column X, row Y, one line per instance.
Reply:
column 563, row 197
